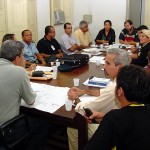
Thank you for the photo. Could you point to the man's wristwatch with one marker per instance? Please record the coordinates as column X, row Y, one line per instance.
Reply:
column 76, row 101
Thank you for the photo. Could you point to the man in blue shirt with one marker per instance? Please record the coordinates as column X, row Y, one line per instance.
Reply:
column 31, row 53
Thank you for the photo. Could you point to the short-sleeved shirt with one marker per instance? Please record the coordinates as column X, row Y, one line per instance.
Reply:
column 110, row 37
column 14, row 86
column 82, row 38
column 48, row 47
column 30, row 52
column 66, row 42
column 127, row 129
column 125, row 36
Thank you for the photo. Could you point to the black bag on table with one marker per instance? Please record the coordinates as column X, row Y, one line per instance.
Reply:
column 75, row 60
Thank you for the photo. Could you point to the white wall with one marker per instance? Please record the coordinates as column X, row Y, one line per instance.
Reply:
column 43, row 16
column 114, row 10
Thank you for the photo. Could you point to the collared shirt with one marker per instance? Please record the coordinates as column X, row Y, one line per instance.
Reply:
column 82, row 38
column 30, row 52
column 48, row 46
column 66, row 42
column 125, row 36
column 14, row 86
column 104, row 103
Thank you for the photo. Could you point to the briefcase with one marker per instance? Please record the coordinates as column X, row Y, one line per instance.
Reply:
column 75, row 60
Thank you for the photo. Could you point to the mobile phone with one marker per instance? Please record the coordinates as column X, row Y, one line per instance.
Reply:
column 88, row 113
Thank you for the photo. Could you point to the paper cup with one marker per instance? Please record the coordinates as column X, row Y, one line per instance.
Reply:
column 97, row 62
column 54, row 68
column 68, row 105
column 76, row 81
column 54, row 75
column 57, row 63
column 52, row 63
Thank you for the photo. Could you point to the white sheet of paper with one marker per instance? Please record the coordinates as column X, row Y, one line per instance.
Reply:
column 95, row 58
column 43, row 68
column 49, row 98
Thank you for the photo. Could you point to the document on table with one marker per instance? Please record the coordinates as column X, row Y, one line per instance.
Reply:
column 43, row 68
column 50, row 98
column 95, row 58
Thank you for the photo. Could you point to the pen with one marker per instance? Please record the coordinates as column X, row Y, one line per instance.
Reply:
column 91, row 77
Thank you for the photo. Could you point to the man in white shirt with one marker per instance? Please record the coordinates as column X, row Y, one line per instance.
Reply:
column 68, row 42
column 106, row 100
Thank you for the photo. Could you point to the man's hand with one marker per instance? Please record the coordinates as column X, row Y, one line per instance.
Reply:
column 32, row 67
column 43, row 63
column 60, row 55
column 72, row 95
column 96, row 115
column 77, row 90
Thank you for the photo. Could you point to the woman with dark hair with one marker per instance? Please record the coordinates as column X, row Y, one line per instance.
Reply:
column 106, row 35
column 8, row 37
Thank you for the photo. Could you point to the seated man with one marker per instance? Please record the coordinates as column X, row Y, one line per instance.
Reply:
column 129, row 34
column 106, row 100
column 83, row 35
column 31, row 53
column 48, row 46
column 15, row 86
column 140, row 28
column 126, row 128
column 68, row 42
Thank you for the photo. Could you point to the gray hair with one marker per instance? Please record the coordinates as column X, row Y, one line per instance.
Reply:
column 82, row 24
column 10, row 49
column 122, row 56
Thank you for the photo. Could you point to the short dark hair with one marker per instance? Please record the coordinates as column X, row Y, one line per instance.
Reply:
column 48, row 29
column 65, row 25
column 135, row 83
column 142, row 27
column 11, row 49
column 108, row 22
column 8, row 37
column 24, row 32
column 128, row 21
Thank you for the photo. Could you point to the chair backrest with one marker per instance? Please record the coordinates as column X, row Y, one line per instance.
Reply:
column 14, row 131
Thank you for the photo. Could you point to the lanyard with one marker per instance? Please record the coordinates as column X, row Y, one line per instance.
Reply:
column 135, row 105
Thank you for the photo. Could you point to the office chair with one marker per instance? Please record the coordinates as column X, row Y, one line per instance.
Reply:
column 14, row 132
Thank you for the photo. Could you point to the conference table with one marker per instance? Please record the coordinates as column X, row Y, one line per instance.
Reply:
column 69, row 118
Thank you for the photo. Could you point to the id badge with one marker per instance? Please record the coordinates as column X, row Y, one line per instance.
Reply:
column 53, row 48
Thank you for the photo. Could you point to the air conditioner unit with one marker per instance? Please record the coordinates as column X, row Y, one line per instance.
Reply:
column 59, row 17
